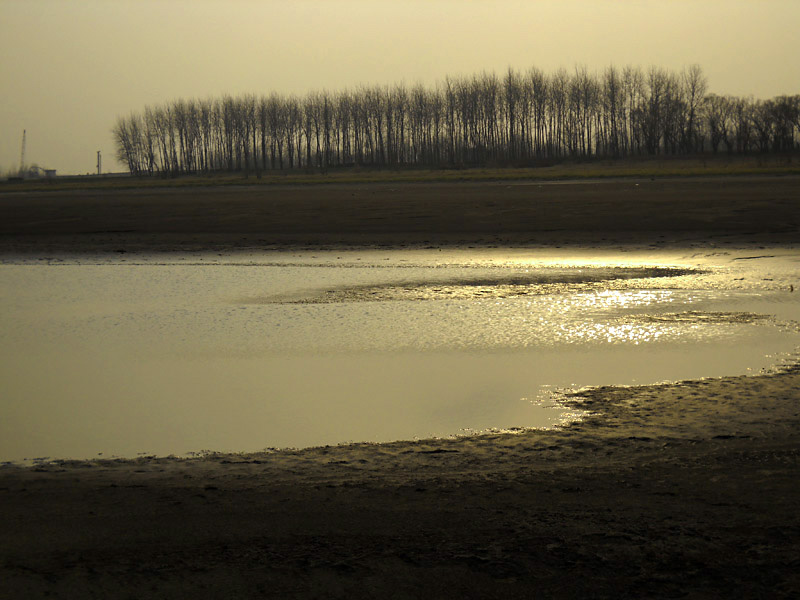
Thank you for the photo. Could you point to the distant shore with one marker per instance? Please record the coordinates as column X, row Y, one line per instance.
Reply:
column 757, row 209
column 720, row 165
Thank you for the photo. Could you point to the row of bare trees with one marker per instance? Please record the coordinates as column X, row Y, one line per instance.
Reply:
column 521, row 118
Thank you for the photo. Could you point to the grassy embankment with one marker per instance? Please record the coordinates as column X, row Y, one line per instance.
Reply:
column 646, row 168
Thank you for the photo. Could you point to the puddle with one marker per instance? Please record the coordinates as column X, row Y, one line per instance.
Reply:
column 191, row 353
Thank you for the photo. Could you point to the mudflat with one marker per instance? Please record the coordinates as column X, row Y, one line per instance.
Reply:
column 672, row 490
column 683, row 490
column 756, row 209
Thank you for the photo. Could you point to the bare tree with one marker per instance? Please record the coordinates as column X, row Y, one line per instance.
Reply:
column 718, row 115
column 695, row 86
column 474, row 120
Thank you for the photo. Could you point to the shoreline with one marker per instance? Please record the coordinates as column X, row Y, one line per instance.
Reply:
column 610, row 411
column 653, row 496
column 601, row 170
column 677, row 211
column 681, row 489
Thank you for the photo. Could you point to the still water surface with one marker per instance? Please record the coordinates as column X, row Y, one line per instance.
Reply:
column 152, row 356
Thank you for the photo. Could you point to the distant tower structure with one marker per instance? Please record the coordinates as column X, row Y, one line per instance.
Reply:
column 98, row 162
column 22, row 154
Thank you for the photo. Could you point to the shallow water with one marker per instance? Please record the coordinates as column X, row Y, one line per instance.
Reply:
column 123, row 356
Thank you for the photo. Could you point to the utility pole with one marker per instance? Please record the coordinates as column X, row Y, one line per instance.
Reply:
column 22, row 156
column 98, row 162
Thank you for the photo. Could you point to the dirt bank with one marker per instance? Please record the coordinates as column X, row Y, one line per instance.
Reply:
column 755, row 209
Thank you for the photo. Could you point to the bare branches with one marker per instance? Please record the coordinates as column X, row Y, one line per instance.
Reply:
column 517, row 119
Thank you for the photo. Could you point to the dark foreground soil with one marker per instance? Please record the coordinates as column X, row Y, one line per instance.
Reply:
column 687, row 490
column 672, row 491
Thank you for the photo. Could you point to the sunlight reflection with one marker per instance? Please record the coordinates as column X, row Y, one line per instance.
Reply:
column 610, row 333
column 594, row 317
column 628, row 298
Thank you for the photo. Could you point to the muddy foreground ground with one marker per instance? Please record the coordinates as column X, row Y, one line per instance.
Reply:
column 683, row 490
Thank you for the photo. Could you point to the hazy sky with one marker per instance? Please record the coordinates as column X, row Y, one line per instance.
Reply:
column 68, row 68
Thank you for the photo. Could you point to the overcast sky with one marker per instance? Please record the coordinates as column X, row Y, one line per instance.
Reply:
column 68, row 68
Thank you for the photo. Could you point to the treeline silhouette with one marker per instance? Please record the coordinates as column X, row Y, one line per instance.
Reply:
column 521, row 118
